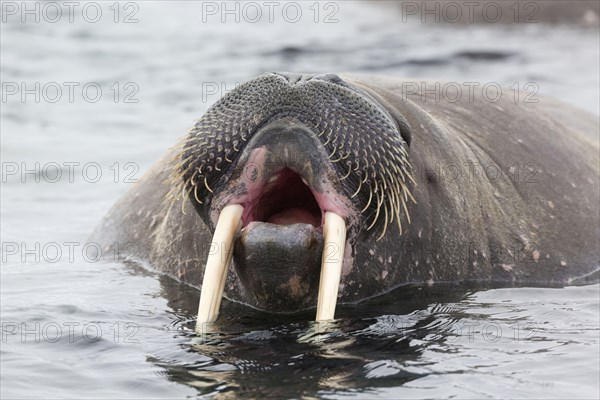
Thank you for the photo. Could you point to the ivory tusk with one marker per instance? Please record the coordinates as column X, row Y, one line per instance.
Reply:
column 217, row 264
column 334, row 235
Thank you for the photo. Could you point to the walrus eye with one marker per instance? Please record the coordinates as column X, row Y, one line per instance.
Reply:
column 285, row 200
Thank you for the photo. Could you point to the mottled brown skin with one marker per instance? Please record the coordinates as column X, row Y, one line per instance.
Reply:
column 163, row 237
column 534, row 221
column 493, row 229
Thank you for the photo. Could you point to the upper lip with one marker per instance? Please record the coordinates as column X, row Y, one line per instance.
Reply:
column 283, row 176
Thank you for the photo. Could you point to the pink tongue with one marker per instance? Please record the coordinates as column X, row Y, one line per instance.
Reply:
column 296, row 215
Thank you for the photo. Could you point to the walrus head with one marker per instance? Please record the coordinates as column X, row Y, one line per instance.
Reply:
column 291, row 172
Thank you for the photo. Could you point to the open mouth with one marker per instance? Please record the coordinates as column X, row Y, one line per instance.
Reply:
column 284, row 199
column 285, row 228
column 281, row 200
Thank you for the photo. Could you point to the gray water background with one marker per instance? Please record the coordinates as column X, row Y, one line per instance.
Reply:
column 131, row 329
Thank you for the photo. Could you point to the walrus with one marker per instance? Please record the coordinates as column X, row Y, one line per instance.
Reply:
column 296, row 190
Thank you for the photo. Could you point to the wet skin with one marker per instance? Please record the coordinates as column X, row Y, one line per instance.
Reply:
column 430, row 191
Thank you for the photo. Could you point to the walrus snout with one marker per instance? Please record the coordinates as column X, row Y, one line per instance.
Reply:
column 285, row 186
column 283, row 175
column 352, row 134
column 301, row 151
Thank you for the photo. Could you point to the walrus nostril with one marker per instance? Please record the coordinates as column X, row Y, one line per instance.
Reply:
column 294, row 78
column 333, row 78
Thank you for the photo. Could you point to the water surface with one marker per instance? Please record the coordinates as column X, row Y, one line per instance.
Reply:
column 86, row 329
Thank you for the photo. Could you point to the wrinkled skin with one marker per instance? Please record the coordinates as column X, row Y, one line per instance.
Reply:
column 498, row 192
